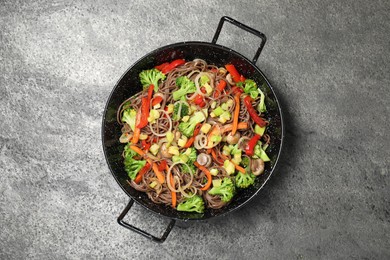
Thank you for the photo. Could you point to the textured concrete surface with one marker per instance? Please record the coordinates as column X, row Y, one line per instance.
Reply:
column 329, row 62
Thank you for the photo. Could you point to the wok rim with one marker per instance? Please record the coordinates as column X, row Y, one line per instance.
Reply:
column 199, row 43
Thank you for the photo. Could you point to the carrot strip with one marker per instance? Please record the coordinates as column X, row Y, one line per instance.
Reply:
column 173, row 194
column 236, row 113
column 224, row 157
column 141, row 173
column 239, row 168
column 208, row 151
column 208, row 175
column 192, row 138
column 158, row 173
column 229, row 127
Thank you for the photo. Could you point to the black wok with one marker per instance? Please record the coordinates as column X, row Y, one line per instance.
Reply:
column 129, row 85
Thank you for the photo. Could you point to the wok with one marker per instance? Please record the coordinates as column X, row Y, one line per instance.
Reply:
column 129, row 85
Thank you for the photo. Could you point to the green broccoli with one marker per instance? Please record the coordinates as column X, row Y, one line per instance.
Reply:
column 132, row 166
column 129, row 116
column 187, row 128
column 251, row 88
column 193, row 204
column 185, row 109
column 191, row 153
column 261, row 106
column 260, row 153
column 186, row 86
column 245, row 161
column 226, row 190
column 152, row 76
column 244, row 180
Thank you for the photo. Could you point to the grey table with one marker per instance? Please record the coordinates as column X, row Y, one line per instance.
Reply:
column 329, row 63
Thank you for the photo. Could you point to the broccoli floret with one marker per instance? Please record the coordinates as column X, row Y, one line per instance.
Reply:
column 191, row 159
column 186, row 86
column 244, row 180
column 129, row 116
column 132, row 166
column 152, row 76
column 260, row 153
column 194, row 204
column 128, row 152
column 187, row 128
column 183, row 112
column 226, row 190
column 245, row 161
column 251, row 88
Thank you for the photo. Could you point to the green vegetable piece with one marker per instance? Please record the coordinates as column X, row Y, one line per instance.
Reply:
column 129, row 116
column 152, row 76
column 132, row 166
column 193, row 204
column 245, row 161
column 260, row 153
column 184, row 111
column 218, row 111
column 203, row 80
column 217, row 182
column 259, row 130
column 251, row 88
column 187, row 128
column 229, row 167
column 244, row 180
column 226, row 190
column 186, row 86
column 261, row 106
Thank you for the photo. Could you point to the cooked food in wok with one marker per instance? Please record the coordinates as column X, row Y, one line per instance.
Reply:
column 195, row 134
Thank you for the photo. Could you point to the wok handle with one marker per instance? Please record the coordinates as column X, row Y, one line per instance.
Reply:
column 245, row 28
column 141, row 232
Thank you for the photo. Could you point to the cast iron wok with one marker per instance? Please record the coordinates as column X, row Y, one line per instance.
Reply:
column 129, row 85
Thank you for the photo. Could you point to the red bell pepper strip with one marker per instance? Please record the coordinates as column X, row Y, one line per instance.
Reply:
column 192, row 138
column 163, row 165
column 156, row 100
column 198, row 100
column 161, row 66
column 144, row 113
column 249, row 149
column 145, row 145
column 172, row 65
column 145, row 105
column 141, row 173
column 150, row 92
column 233, row 72
column 253, row 113
column 220, row 87
column 237, row 89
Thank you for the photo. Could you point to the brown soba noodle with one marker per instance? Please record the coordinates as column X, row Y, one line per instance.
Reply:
column 187, row 184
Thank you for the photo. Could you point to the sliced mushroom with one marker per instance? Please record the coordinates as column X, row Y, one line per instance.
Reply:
column 242, row 143
column 204, row 159
column 164, row 151
column 233, row 139
column 257, row 166
column 229, row 79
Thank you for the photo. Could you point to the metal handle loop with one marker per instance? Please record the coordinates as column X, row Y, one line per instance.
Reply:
column 141, row 232
column 245, row 28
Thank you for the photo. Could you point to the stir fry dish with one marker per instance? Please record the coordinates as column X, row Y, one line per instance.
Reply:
column 194, row 135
